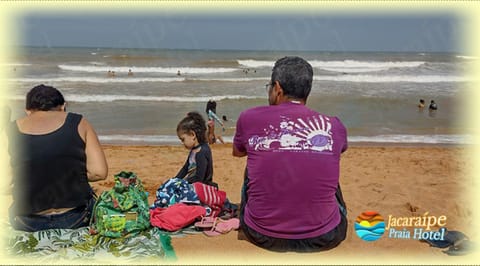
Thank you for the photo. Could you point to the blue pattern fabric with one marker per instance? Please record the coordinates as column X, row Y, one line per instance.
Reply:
column 173, row 191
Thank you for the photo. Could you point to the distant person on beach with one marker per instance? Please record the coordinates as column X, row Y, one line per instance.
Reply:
column 433, row 106
column 198, row 167
column 178, row 73
column 421, row 104
column 53, row 155
column 130, row 73
column 212, row 136
column 219, row 136
column 291, row 198
column 212, row 118
column 212, row 106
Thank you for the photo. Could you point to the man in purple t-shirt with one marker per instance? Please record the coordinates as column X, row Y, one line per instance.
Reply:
column 291, row 199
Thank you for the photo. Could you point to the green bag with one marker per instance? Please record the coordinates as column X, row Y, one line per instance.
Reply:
column 122, row 210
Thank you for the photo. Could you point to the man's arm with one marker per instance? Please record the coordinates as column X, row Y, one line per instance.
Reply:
column 237, row 153
column 238, row 139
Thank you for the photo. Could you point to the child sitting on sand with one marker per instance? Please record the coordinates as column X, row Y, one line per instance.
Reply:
column 191, row 130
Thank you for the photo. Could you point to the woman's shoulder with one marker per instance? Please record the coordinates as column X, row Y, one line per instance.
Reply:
column 74, row 116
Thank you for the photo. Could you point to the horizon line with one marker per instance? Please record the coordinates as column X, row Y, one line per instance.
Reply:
column 239, row 50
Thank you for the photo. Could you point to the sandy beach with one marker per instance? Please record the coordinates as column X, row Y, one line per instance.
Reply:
column 399, row 181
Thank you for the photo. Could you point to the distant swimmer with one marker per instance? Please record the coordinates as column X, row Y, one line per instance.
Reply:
column 421, row 104
column 433, row 105
column 178, row 73
column 130, row 73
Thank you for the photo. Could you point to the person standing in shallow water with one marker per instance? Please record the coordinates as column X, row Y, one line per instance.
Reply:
column 421, row 104
column 291, row 197
column 432, row 109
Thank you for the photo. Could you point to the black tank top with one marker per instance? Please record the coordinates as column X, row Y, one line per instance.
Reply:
column 49, row 170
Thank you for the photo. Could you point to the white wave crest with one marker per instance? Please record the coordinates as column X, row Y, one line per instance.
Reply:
column 255, row 63
column 399, row 139
column 343, row 66
column 113, row 97
column 426, row 139
column 98, row 79
column 389, row 79
column 338, row 78
column 468, row 57
column 354, row 66
column 125, row 69
column 97, row 63
column 15, row 64
column 147, row 139
column 132, row 79
column 365, row 64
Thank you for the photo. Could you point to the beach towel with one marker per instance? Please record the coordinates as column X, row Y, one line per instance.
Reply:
column 175, row 190
column 176, row 217
column 79, row 247
column 211, row 196
column 122, row 210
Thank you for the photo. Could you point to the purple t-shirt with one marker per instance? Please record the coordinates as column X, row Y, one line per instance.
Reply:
column 293, row 169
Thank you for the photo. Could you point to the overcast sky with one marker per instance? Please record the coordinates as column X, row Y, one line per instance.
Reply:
column 427, row 33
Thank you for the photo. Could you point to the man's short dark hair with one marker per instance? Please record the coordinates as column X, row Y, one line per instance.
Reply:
column 295, row 76
column 43, row 98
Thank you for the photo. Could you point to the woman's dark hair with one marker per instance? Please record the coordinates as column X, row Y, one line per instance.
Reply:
column 211, row 105
column 194, row 122
column 43, row 98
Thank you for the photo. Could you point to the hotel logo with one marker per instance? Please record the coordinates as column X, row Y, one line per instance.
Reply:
column 369, row 226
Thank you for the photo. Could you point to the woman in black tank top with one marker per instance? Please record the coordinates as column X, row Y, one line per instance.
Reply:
column 48, row 153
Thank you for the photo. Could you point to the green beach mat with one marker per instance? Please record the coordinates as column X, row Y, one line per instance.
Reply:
column 77, row 245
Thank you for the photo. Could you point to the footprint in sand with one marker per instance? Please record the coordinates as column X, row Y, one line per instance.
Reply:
column 411, row 207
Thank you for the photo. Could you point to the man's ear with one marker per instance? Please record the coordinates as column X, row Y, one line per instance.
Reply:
column 276, row 88
column 63, row 108
column 28, row 112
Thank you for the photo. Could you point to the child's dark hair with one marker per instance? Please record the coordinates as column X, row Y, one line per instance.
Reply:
column 194, row 122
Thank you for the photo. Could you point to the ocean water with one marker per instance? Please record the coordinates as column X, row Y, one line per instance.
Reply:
column 374, row 94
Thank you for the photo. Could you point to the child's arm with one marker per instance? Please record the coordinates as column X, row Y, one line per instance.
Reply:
column 183, row 171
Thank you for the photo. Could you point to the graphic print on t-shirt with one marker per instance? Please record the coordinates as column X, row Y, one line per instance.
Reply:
column 192, row 165
column 308, row 134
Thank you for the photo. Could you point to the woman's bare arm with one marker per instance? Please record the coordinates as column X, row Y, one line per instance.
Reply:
column 97, row 168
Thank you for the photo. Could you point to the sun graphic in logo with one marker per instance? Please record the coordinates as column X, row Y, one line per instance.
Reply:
column 369, row 226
